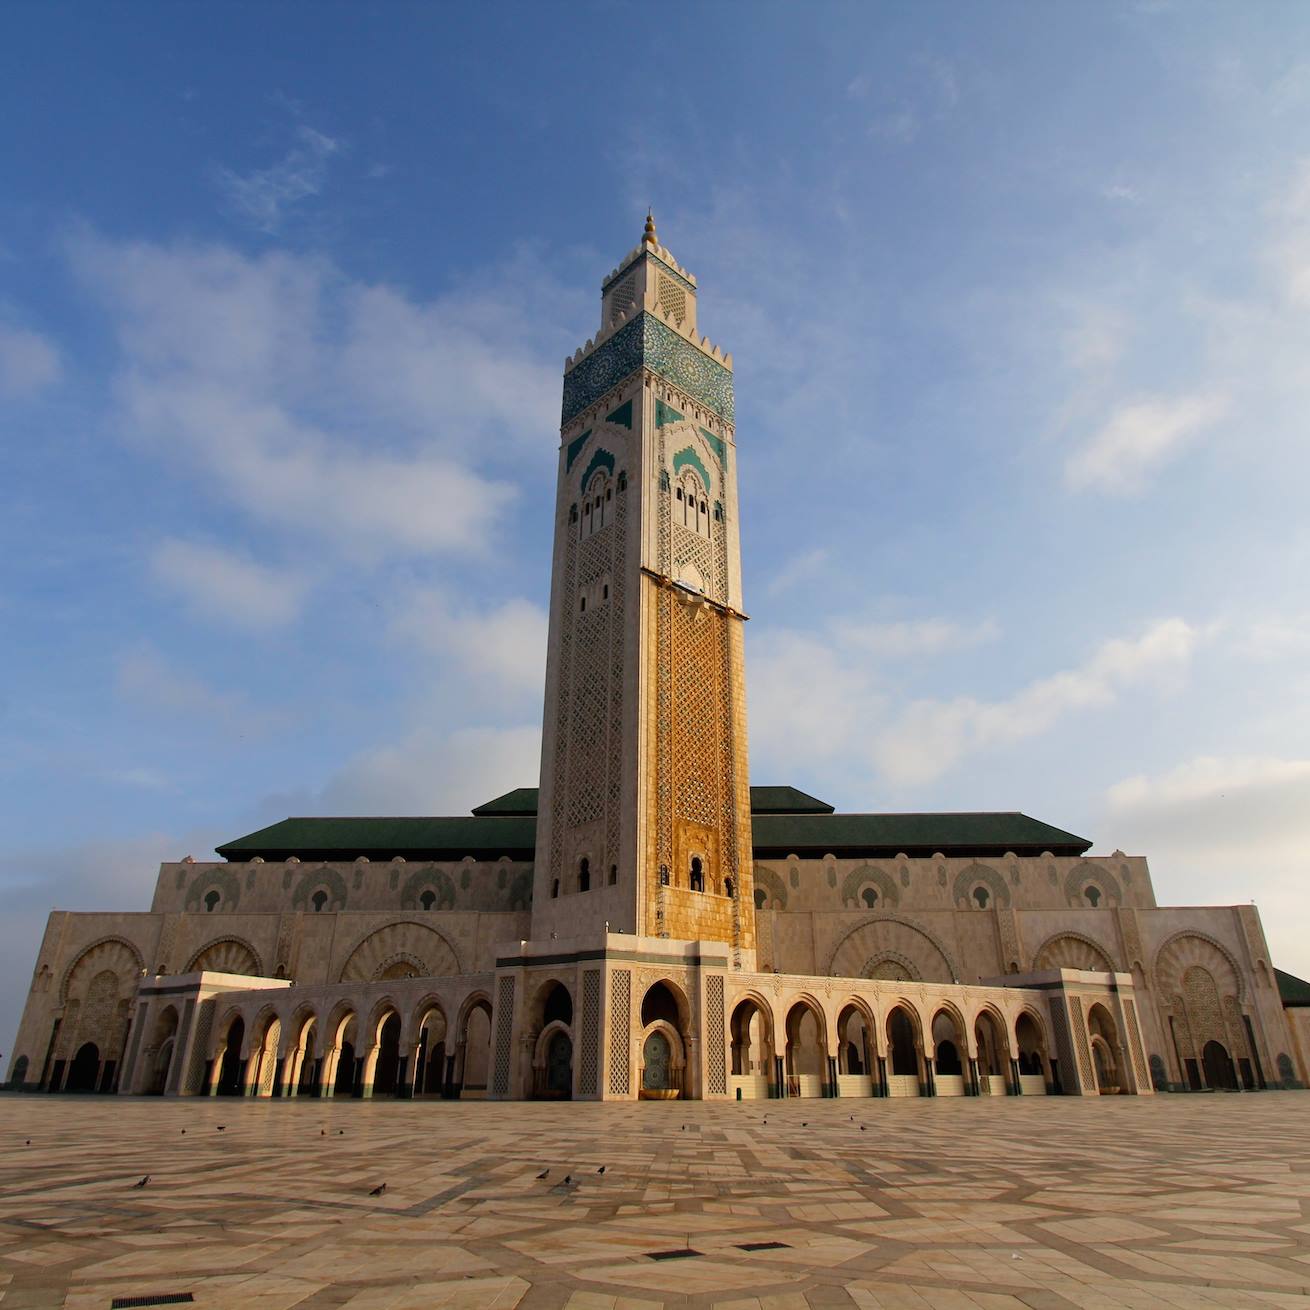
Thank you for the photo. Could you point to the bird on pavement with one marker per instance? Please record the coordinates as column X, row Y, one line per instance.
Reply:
column 378, row 1190
column 568, row 1180
column 601, row 1170
column 220, row 1127
column 143, row 1182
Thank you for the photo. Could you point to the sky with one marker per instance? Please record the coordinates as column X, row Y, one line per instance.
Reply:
column 1019, row 302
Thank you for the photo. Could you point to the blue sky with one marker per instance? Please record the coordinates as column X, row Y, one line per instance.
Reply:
column 1019, row 298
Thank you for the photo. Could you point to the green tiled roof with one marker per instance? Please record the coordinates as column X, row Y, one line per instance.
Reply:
column 786, row 800
column 885, row 835
column 484, row 838
column 764, row 800
column 1294, row 991
column 785, row 822
column 522, row 800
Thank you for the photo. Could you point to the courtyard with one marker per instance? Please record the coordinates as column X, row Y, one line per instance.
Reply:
column 997, row 1203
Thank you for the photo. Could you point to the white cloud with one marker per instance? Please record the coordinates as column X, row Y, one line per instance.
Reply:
column 146, row 679
column 807, row 698
column 28, row 361
column 1137, row 439
column 932, row 736
column 1215, row 780
column 227, row 588
column 896, row 641
column 798, row 569
column 264, row 196
column 504, row 647
column 328, row 407
column 1220, row 828
column 435, row 772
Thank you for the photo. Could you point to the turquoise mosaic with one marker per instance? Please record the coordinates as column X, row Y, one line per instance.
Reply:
column 601, row 459
column 656, row 345
column 665, row 414
column 689, row 456
column 622, row 415
column 717, row 445
column 575, row 449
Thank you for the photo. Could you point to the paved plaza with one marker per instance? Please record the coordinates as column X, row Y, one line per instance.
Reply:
column 1061, row 1202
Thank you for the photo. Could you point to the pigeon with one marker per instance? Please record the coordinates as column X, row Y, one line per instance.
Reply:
column 805, row 1124
column 568, row 1180
column 601, row 1170
column 322, row 1132
column 220, row 1127
column 863, row 1129
column 542, row 1174
column 378, row 1190
column 341, row 1132
column 29, row 1141
column 143, row 1182
column 183, row 1132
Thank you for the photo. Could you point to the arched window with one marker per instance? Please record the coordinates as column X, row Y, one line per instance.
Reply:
column 605, row 592
column 664, row 875
column 573, row 512
column 614, row 874
column 583, row 610
column 319, row 900
column 982, row 896
column 428, row 899
column 727, row 888
column 584, row 874
column 678, row 493
column 697, row 874
column 212, row 899
column 623, row 481
column 870, row 897
column 554, row 889
column 1093, row 895
column 759, row 898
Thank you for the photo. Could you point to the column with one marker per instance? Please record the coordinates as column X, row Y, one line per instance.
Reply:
column 880, row 1088
column 975, row 1087
column 834, row 1088
column 1016, row 1087
column 368, row 1067
column 328, row 1076
column 929, row 1084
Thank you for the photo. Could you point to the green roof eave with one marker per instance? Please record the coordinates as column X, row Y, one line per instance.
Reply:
column 522, row 801
column 507, row 836
column 504, row 830
column 881, row 836
column 1294, row 992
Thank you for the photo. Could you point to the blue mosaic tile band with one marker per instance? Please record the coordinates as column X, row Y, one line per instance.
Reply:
column 648, row 341
column 717, row 445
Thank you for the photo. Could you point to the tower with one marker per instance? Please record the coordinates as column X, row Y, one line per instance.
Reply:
column 644, row 816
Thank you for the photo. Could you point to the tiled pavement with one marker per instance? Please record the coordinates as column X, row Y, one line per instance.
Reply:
column 1045, row 1203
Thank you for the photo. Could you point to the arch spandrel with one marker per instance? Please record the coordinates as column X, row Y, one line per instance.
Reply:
column 423, row 951
column 1074, row 950
column 889, row 937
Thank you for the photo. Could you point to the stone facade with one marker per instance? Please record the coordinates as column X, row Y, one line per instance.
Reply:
column 633, row 929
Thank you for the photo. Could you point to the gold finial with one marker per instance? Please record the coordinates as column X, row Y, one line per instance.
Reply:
column 649, row 235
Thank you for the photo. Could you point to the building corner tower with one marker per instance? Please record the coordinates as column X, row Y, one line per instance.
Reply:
column 644, row 821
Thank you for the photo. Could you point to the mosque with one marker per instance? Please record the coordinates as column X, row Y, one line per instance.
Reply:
column 647, row 924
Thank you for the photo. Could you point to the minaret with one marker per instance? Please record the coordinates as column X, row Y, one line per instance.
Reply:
column 644, row 816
